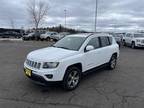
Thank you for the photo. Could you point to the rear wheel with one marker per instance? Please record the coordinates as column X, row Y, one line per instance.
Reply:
column 42, row 39
column 113, row 62
column 72, row 78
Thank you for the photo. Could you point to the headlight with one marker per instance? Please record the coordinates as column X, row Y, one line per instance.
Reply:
column 47, row 65
column 138, row 40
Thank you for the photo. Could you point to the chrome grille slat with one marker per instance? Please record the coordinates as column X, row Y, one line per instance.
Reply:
column 33, row 64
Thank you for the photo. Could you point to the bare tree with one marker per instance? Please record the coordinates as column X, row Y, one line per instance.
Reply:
column 37, row 10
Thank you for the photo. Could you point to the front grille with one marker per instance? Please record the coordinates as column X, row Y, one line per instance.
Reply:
column 33, row 64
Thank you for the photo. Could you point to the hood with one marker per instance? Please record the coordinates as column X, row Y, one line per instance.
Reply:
column 50, row 54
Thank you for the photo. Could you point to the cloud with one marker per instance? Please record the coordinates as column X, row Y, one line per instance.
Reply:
column 112, row 14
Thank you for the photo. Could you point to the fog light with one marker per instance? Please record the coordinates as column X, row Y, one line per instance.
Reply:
column 49, row 76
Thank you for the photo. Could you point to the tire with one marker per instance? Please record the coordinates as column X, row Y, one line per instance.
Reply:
column 112, row 63
column 72, row 78
column 42, row 39
column 55, row 40
column 133, row 45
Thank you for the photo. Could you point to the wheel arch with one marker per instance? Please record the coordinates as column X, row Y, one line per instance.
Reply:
column 115, row 54
column 78, row 65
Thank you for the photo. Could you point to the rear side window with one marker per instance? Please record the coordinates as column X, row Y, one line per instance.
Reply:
column 94, row 42
column 105, row 41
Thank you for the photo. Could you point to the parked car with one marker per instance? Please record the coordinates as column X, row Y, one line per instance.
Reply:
column 71, row 57
column 60, row 36
column 11, row 34
column 32, row 36
column 118, row 37
column 134, row 40
column 47, row 35
column 28, row 37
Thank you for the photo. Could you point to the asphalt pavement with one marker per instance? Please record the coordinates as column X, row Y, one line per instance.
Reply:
column 119, row 88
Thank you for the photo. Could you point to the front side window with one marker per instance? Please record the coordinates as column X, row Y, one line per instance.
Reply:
column 104, row 41
column 70, row 43
column 94, row 42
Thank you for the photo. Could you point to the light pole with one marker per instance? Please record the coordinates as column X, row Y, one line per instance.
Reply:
column 65, row 11
column 96, row 11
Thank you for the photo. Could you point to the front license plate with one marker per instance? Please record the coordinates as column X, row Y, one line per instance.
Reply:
column 28, row 72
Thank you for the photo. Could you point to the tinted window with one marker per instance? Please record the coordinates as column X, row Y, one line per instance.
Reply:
column 104, row 41
column 94, row 42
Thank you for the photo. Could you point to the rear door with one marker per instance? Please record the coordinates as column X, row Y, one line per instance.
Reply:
column 106, row 49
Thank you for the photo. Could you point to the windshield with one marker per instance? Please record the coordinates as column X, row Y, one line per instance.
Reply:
column 70, row 43
column 138, row 35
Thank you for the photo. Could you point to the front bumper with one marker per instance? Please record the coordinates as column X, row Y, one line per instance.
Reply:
column 44, row 76
column 37, row 78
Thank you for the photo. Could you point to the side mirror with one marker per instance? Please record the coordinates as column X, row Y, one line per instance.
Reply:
column 89, row 48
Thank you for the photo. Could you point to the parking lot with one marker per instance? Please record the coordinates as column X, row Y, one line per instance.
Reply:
column 120, row 88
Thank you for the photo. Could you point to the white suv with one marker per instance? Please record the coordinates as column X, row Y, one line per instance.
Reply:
column 70, row 57
column 134, row 40
column 60, row 36
column 47, row 35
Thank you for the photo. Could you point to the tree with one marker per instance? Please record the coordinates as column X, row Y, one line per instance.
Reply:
column 37, row 10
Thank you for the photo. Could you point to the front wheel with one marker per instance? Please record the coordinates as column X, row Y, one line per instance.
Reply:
column 72, row 78
column 113, row 62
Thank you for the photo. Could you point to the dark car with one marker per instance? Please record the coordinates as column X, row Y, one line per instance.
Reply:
column 11, row 34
